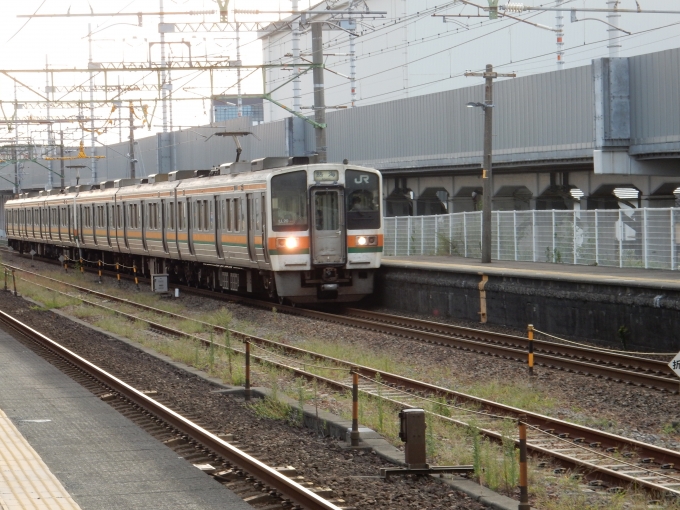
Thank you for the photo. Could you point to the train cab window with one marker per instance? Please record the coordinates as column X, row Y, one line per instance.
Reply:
column 289, row 202
column 362, row 195
column 326, row 210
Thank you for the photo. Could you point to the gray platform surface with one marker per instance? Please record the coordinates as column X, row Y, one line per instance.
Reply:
column 102, row 459
column 629, row 277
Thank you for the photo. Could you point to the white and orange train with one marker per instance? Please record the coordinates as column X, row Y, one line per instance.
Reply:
column 306, row 233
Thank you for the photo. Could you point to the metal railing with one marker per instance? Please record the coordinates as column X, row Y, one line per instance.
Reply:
column 644, row 238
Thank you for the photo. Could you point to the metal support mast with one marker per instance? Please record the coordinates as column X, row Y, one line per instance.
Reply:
column 559, row 25
column 352, row 57
column 93, row 160
column 239, row 100
column 613, row 19
column 319, row 96
column 50, row 184
column 297, row 94
column 15, row 151
column 131, row 153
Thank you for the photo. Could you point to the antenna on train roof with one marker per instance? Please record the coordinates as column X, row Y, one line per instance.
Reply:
column 235, row 135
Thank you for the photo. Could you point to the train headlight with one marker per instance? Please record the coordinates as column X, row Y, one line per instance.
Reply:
column 287, row 242
column 366, row 240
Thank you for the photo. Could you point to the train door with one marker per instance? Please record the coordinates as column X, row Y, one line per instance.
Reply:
column 328, row 220
column 146, row 216
column 108, row 222
column 220, row 213
column 263, row 226
column 94, row 218
column 126, row 225
column 69, row 222
column 177, row 213
column 164, row 234
column 190, row 225
column 250, row 226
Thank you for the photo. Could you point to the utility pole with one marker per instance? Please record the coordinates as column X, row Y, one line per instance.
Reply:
column 487, row 176
column 239, row 99
column 93, row 160
column 61, row 154
column 613, row 17
column 352, row 57
column 295, row 25
column 131, row 154
column 559, row 25
column 15, row 149
column 319, row 96
column 49, row 125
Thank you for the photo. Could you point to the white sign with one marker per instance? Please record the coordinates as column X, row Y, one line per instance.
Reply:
column 675, row 364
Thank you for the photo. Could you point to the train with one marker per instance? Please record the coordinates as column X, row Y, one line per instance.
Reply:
column 296, row 231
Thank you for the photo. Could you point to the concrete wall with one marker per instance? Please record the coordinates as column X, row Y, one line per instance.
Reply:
column 584, row 311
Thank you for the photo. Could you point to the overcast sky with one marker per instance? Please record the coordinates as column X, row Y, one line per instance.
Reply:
column 27, row 44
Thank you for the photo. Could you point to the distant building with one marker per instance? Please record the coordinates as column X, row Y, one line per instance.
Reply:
column 225, row 108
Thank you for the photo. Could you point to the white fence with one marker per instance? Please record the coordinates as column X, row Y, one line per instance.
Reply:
column 645, row 238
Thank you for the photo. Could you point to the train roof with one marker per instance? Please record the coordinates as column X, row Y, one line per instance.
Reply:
column 130, row 188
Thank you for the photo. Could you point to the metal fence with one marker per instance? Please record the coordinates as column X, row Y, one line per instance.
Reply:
column 644, row 238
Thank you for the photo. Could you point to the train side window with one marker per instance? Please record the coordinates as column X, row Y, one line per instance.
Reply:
column 212, row 213
column 171, row 215
column 237, row 215
column 180, row 215
column 207, row 213
column 227, row 215
column 258, row 215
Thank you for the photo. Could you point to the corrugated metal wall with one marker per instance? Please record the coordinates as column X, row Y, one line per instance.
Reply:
column 540, row 113
column 655, row 97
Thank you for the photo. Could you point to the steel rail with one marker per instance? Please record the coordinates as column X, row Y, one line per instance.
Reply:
column 578, row 352
column 473, row 340
column 553, row 427
column 270, row 477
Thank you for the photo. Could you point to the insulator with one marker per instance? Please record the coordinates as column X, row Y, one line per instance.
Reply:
column 514, row 7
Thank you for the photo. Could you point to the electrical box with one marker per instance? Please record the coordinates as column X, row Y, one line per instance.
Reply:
column 159, row 283
column 412, row 432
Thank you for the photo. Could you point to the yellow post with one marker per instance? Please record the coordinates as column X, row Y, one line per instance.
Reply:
column 134, row 270
column 99, row 263
column 354, row 434
column 118, row 273
column 530, row 335
column 523, row 474
column 247, row 388
column 82, row 267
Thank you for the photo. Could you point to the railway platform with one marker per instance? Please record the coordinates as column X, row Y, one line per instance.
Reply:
column 618, row 307
column 61, row 447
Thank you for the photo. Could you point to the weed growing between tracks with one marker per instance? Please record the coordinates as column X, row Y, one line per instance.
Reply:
column 447, row 444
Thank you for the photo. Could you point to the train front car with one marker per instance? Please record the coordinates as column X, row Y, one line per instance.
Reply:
column 326, row 235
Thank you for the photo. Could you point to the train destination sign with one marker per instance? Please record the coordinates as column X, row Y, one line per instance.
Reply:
column 675, row 364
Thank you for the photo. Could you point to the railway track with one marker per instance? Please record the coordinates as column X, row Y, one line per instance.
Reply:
column 213, row 453
column 606, row 459
column 624, row 368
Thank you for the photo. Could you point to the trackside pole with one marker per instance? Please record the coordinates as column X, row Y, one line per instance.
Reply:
column 82, row 267
column 523, row 476
column 134, row 270
column 247, row 389
column 99, row 263
column 5, row 279
column 118, row 273
column 14, row 282
column 530, row 335
column 354, row 435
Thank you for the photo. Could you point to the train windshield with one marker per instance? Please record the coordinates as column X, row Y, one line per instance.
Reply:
column 289, row 202
column 362, row 192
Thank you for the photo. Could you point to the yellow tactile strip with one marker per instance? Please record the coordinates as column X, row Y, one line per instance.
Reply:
column 25, row 480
